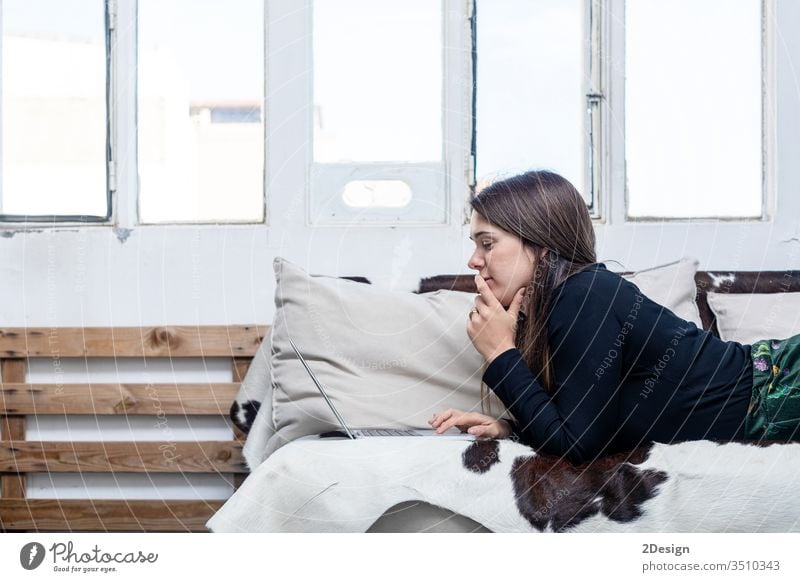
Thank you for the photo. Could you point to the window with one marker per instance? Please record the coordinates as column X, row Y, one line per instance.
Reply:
column 201, row 128
column 537, row 93
column 384, row 112
column 378, row 123
column 693, row 108
column 53, row 114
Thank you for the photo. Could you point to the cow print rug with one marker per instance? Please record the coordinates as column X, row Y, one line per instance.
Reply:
column 342, row 485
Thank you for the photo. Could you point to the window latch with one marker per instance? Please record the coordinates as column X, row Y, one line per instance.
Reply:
column 594, row 98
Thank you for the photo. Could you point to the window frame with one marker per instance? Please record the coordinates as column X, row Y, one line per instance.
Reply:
column 134, row 206
column 604, row 172
column 122, row 180
column 605, row 107
column 595, row 74
column 450, row 173
column 71, row 220
column 768, row 128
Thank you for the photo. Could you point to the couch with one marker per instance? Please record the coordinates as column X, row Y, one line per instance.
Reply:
column 729, row 304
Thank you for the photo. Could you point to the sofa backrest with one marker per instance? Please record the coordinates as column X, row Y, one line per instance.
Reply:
column 740, row 282
column 705, row 281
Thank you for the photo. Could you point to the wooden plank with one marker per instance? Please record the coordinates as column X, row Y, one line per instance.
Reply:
column 132, row 342
column 118, row 399
column 121, row 457
column 239, row 368
column 12, row 429
column 141, row 515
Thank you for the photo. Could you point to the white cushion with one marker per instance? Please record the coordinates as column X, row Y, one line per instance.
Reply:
column 749, row 317
column 386, row 358
column 673, row 286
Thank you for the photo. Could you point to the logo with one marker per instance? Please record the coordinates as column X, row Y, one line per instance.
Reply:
column 66, row 559
column 31, row 555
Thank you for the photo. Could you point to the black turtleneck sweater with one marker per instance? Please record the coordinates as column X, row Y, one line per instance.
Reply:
column 627, row 371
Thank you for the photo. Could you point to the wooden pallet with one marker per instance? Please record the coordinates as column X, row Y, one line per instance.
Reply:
column 19, row 457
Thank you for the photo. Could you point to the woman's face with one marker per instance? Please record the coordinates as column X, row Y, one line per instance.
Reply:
column 500, row 258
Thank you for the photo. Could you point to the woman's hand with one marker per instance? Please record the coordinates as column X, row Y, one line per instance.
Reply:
column 472, row 422
column 492, row 329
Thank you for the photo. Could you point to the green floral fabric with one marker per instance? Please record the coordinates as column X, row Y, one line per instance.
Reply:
column 774, row 411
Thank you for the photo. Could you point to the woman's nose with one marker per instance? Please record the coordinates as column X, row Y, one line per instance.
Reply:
column 474, row 261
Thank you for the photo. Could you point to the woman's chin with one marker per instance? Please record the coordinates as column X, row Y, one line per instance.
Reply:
column 500, row 293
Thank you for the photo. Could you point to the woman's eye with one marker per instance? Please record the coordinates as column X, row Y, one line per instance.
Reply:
column 487, row 245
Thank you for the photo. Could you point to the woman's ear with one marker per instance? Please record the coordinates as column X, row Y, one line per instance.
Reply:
column 531, row 253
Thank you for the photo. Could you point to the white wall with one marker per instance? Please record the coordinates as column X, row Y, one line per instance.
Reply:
column 212, row 274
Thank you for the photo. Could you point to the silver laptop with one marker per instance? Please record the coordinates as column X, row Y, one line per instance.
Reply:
column 376, row 432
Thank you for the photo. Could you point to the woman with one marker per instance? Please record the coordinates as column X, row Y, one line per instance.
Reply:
column 584, row 361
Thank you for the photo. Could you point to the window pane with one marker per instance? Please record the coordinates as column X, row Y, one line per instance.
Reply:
column 377, row 194
column 53, row 108
column 531, row 86
column 200, row 122
column 377, row 80
column 693, row 108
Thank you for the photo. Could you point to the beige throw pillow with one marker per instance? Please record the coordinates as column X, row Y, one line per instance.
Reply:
column 749, row 317
column 386, row 358
column 673, row 286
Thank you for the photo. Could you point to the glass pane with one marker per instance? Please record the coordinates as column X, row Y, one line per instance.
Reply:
column 531, row 86
column 377, row 80
column 200, row 122
column 377, row 194
column 53, row 108
column 693, row 108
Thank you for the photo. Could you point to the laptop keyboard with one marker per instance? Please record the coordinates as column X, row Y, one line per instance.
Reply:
column 388, row 432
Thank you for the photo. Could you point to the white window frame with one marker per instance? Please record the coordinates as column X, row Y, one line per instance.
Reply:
column 597, row 72
column 432, row 183
column 604, row 172
column 288, row 82
column 718, row 243
column 768, row 125
column 132, row 197
column 12, row 221
column 595, row 122
column 122, row 164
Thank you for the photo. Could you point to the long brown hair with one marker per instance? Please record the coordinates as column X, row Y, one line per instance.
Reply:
column 546, row 212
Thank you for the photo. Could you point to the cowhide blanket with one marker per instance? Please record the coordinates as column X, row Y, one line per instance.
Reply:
column 326, row 485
